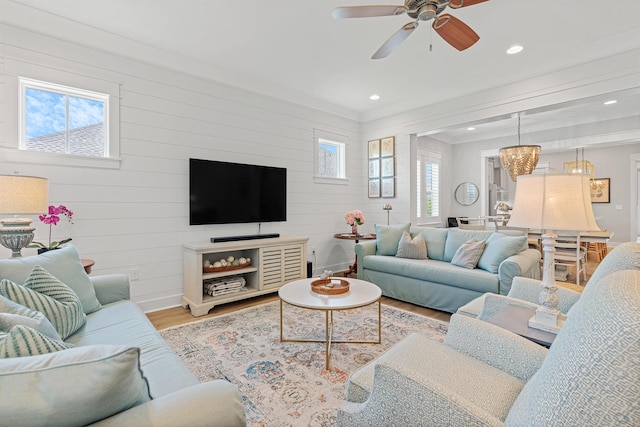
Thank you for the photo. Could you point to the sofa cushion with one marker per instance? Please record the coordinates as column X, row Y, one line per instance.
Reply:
column 123, row 323
column 468, row 254
column 45, row 293
column 63, row 263
column 592, row 369
column 434, row 271
column 456, row 237
column 412, row 248
column 23, row 341
column 12, row 314
column 388, row 237
column 498, row 248
column 434, row 238
column 66, row 383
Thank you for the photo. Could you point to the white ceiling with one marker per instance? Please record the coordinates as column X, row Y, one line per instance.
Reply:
column 297, row 46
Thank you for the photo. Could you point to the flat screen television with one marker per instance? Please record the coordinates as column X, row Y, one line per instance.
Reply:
column 226, row 193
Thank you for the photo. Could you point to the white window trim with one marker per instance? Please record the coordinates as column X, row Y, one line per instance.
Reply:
column 432, row 157
column 10, row 148
column 319, row 135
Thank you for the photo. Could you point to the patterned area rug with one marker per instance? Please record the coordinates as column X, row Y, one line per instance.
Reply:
column 286, row 384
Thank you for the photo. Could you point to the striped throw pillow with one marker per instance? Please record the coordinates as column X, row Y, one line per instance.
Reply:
column 44, row 293
column 12, row 314
column 415, row 248
column 23, row 341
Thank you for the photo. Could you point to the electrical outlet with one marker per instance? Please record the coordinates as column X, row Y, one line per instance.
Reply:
column 134, row 274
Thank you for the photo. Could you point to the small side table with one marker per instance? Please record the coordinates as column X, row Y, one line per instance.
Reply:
column 515, row 318
column 356, row 238
column 87, row 264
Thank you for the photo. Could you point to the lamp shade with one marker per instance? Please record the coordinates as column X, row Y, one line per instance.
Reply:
column 553, row 202
column 23, row 194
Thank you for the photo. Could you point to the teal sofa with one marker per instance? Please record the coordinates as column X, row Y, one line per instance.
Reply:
column 483, row 375
column 435, row 282
column 119, row 372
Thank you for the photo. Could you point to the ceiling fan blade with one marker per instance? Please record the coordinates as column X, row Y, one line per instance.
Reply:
column 457, row 4
column 395, row 40
column 455, row 32
column 367, row 11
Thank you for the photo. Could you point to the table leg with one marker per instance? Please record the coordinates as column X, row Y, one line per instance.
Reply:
column 354, row 267
column 281, row 337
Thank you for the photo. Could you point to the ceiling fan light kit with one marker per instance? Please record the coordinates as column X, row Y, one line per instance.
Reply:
column 451, row 29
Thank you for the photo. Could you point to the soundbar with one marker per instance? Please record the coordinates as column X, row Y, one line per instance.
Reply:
column 246, row 237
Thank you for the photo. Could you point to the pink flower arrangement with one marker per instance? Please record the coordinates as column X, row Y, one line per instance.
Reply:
column 354, row 217
column 52, row 218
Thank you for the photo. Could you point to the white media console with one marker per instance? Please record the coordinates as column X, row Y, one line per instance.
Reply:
column 274, row 262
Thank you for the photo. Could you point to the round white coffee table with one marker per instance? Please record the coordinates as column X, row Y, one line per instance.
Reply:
column 360, row 294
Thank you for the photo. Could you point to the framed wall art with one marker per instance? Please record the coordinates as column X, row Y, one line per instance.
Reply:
column 387, row 147
column 388, row 187
column 374, row 149
column 601, row 190
column 374, row 168
column 387, row 167
column 374, row 188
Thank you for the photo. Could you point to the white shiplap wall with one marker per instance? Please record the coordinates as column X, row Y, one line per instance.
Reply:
column 136, row 217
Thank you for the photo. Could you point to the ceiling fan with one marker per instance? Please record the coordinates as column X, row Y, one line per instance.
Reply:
column 451, row 29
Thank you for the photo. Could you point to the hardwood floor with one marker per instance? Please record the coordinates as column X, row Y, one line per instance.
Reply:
column 178, row 316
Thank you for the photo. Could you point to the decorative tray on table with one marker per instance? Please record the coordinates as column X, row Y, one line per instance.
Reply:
column 330, row 286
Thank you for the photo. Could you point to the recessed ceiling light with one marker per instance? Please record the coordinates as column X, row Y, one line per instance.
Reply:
column 471, row 128
column 516, row 48
column 610, row 102
column 374, row 97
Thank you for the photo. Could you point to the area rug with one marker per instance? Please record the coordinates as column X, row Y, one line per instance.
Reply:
column 286, row 384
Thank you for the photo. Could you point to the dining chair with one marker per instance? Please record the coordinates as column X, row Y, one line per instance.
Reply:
column 571, row 253
column 466, row 223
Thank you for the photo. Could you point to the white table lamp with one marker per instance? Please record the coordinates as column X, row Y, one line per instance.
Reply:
column 21, row 195
column 551, row 202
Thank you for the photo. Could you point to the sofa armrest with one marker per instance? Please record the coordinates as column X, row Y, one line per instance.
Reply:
column 363, row 249
column 211, row 403
column 516, row 356
column 401, row 398
column 493, row 303
column 111, row 287
column 529, row 290
column 525, row 263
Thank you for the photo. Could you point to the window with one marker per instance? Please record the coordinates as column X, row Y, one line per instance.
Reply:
column 428, row 186
column 63, row 120
column 330, row 157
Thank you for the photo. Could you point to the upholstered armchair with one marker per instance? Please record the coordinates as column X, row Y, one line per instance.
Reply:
column 483, row 375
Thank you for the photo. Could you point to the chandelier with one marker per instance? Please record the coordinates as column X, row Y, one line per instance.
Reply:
column 519, row 159
column 581, row 166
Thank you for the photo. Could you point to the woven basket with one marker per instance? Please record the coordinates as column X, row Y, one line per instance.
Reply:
column 330, row 286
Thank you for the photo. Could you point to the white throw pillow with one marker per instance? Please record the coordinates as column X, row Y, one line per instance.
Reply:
column 415, row 248
column 468, row 254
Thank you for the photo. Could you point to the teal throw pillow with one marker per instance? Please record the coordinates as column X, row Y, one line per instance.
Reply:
column 23, row 341
column 414, row 248
column 388, row 237
column 500, row 247
column 63, row 263
column 45, row 293
column 468, row 254
column 75, row 387
column 12, row 314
